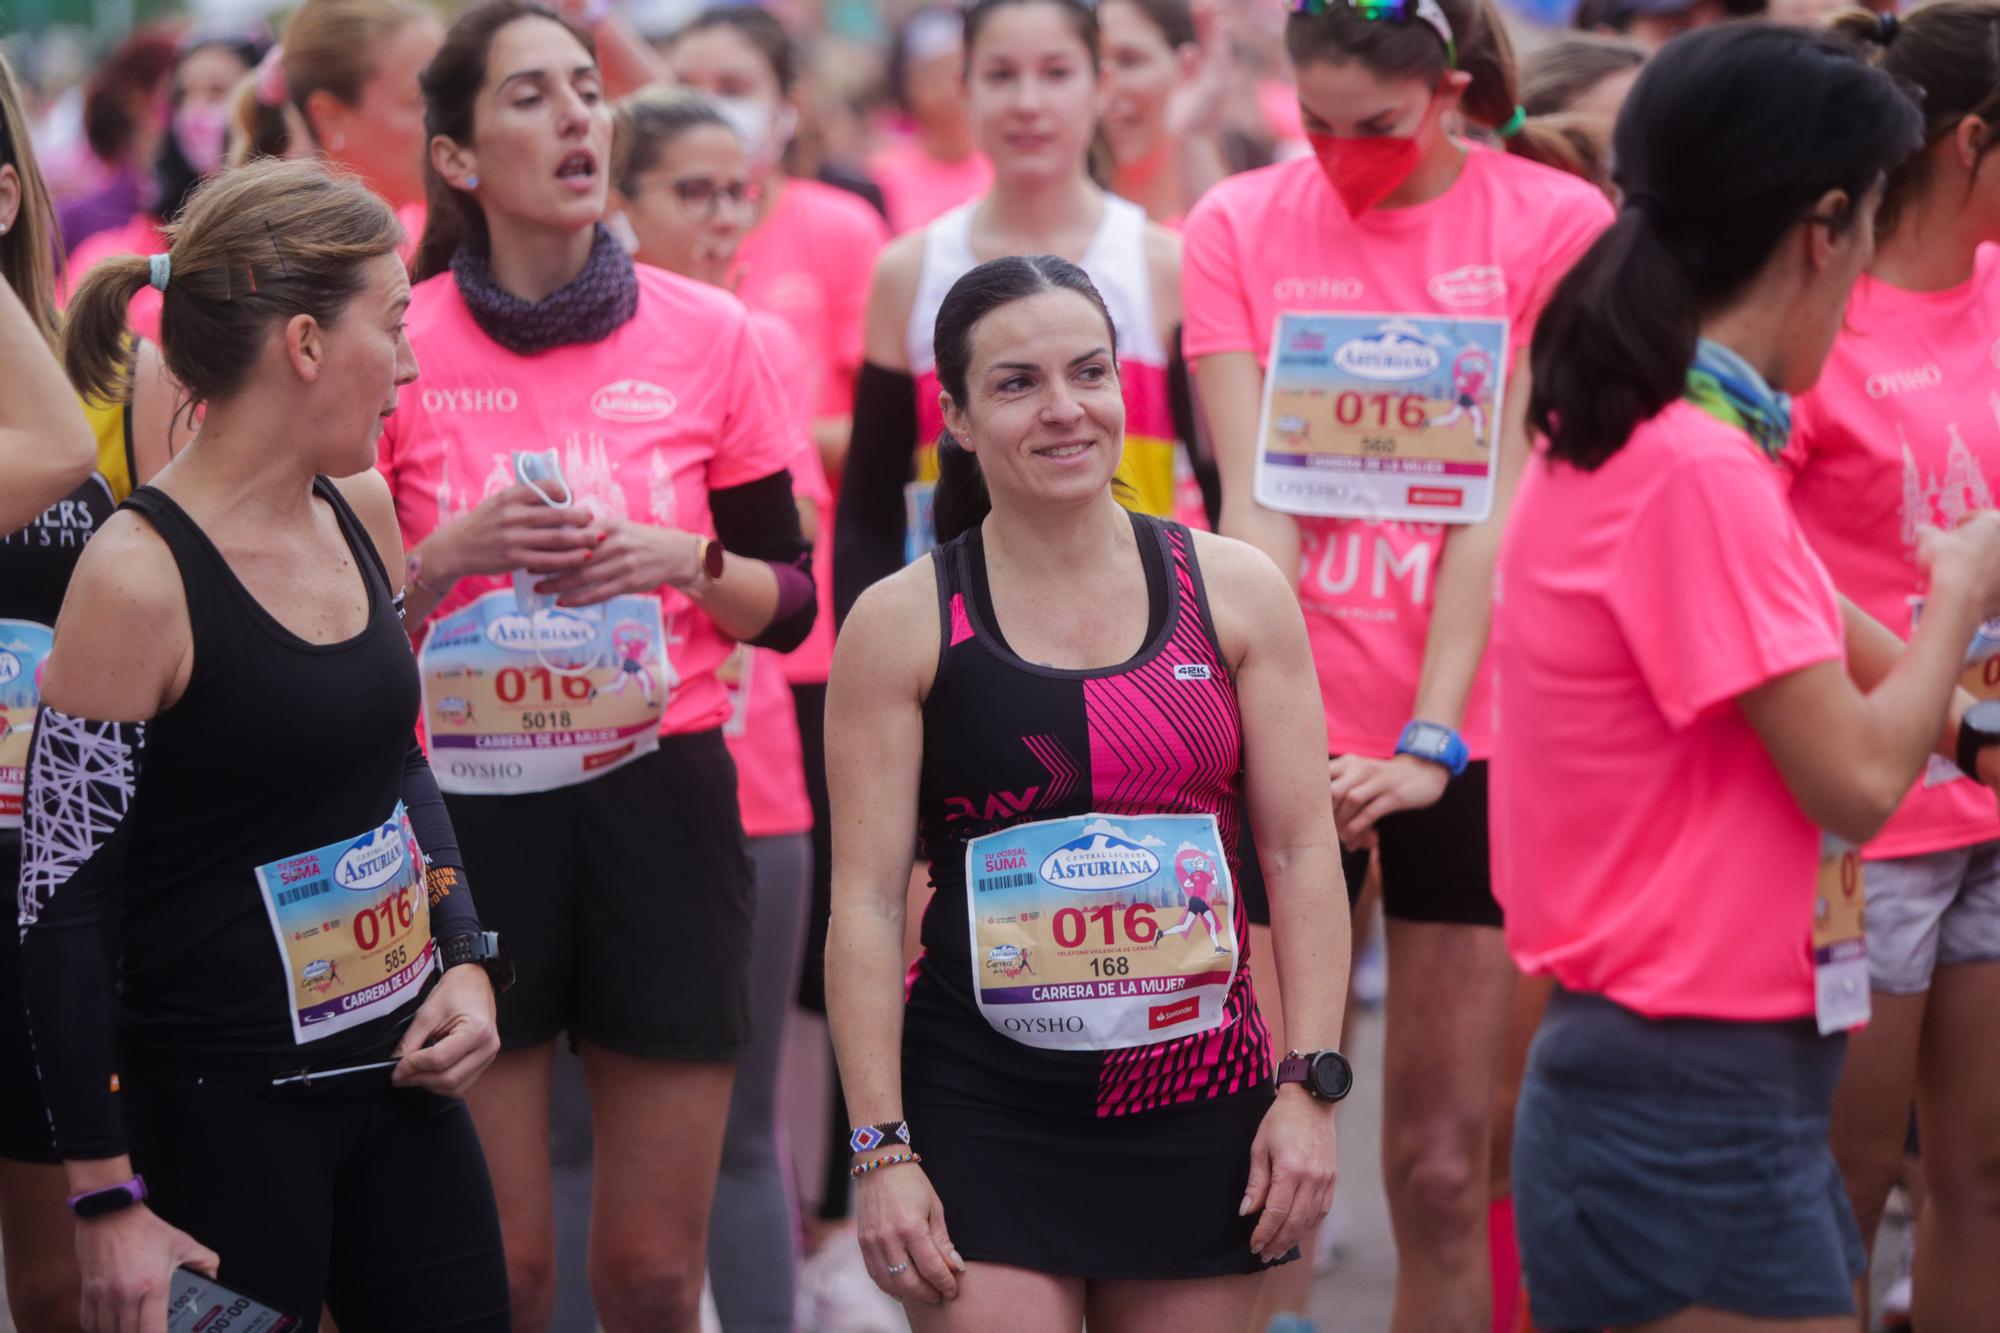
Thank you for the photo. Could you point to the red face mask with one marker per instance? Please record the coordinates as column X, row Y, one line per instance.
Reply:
column 1366, row 169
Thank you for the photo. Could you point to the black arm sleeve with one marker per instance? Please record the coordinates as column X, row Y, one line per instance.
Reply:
column 1188, row 429
column 760, row 520
column 452, row 912
column 868, row 529
column 82, row 777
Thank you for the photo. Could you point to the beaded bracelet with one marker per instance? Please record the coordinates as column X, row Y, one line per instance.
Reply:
column 859, row 1171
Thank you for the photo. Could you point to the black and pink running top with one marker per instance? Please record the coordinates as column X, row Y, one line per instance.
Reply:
column 1008, row 742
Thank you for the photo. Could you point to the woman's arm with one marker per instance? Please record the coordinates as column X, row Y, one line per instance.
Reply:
column 883, row 665
column 868, row 527
column 46, row 448
column 121, row 656
column 1258, row 620
column 1365, row 789
column 1231, row 397
column 1849, row 757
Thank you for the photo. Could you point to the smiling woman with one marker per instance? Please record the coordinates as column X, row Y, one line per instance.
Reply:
column 1082, row 1023
column 593, row 482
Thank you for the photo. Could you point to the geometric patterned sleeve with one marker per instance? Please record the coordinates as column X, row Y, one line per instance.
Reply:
column 82, row 778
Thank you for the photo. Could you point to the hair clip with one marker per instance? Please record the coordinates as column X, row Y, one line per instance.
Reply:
column 277, row 250
column 1389, row 11
column 1887, row 25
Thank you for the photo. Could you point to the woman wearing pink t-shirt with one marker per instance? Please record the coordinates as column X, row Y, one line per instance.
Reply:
column 1899, row 432
column 1163, row 107
column 613, row 440
column 1685, row 704
column 686, row 192
column 1396, row 224
column 350, row 70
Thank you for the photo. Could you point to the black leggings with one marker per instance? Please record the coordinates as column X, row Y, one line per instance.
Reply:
column 373, row 1202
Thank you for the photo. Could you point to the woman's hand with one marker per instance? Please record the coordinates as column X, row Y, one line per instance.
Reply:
column 453, row 1036
column 1364, row 790
column 128, row 1259
column 901, row 1225
column 509, row 530
column 1292, row 1168
column 630, row 558
column 1968, row 556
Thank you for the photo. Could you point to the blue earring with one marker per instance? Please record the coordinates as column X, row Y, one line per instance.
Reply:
column 472, row 182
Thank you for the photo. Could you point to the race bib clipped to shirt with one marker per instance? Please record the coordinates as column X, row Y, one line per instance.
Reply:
column 1840, row 940
column 517, row 702
column 1102, row 932
column 24, row 647
column 353, row 925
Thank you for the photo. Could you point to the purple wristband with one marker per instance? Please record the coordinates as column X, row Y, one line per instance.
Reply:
column 85, row 1205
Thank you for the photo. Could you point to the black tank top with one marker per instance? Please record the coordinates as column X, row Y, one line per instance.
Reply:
column 1009, row 742
column 278, row 747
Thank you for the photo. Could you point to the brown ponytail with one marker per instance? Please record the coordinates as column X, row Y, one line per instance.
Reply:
column 255, row 246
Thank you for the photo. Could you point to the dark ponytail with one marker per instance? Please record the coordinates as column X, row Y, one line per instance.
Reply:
column 1730, row 137
column 451, row 84
column 961, row 501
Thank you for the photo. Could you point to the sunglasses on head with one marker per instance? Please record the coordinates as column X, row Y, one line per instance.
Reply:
column 1389, row 11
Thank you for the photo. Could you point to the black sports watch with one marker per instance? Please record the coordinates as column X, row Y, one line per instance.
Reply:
column 1327, row 1075
column 1979, row 728
column 483, row 947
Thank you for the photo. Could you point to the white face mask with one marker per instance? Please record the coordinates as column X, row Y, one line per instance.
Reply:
column 765, row 135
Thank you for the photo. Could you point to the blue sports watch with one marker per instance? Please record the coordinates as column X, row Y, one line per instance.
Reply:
column 1435, row 744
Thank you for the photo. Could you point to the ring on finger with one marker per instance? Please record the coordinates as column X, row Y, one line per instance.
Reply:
column 898, row 1269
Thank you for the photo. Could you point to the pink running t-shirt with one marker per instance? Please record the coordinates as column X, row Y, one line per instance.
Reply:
column 1903, row 429
column 809, row 261
column 677, row 402
column 763, row 728
column 1494, row 244
column 1645, row 846
column 919, row 189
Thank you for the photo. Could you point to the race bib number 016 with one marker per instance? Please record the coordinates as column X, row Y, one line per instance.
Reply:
column 519, row 702
column 1387, row 417
column 24, row 646
column 1101, row 932
column 353, row 924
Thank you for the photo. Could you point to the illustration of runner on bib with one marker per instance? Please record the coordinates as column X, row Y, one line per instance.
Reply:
column 1385, row 417
column 1470, row 371
column 522, row 694
column 1065, row 915
column 1204, row 902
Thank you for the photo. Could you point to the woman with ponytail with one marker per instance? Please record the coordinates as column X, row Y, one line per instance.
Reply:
column 1036, row 1148
column 1686, row 703
column 1900, row 431
column 1396, row 215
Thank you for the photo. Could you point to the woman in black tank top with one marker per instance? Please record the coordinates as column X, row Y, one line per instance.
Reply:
column 228, row 816
column 1073, row 1112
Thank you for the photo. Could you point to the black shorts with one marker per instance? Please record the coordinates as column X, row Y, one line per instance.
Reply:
column 627, row 902
column 25, row 1134
column 1435, row 865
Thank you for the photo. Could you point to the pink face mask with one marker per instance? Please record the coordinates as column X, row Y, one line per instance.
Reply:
column 1366, row 169
column 200, row 132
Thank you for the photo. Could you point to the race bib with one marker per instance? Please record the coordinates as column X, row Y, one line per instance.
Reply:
column 1385, row 417
column 517, row 702
column 1839, row 940
column 24, row 647
column 1098, row 932
column 353, row 924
